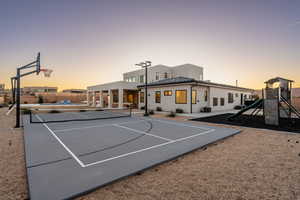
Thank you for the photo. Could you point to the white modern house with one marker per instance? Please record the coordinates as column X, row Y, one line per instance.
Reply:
column 169, row 88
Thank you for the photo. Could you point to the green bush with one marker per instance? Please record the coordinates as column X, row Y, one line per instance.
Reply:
column 158, row 109
column 171, row 114
column 238, row 107
column 179, row 110
column 82, row 110
column 151, row 112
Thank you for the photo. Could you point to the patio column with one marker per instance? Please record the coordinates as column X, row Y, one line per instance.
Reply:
column 88, row 98
column 120, row 95
column 109, row 98
column 94, row 99
column 100, row 99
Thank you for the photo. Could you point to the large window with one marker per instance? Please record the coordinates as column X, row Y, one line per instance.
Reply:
column 157, row 76
column 142, row 97
column 230, row 97
column 166, row 74
column 222, row 101
column 157, row 97
column 168, row 93
column 181, row 97
column 205, row 95
column 194, row 97
column 215, row 101
column 142, row 79
column 115, row 96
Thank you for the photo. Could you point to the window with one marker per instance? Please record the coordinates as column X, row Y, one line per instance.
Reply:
column 142, row 97
column 132, row 79
column 236, row 95
column 215, row 101
column 194, row 97
column 181, row 97
column 222, row 101
column 115, row 97
column 230, row 97
column 157, row 76
column 205, row 95
column 157, row 97
column 168, row 93
column 166, row 75
column 142, row 79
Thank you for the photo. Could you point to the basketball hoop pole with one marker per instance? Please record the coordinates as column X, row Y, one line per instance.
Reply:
column 18, row 77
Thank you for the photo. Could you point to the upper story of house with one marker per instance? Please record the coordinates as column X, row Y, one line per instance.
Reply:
column 160, row 72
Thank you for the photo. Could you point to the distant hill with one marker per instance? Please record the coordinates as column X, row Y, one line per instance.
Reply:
column 295, row 92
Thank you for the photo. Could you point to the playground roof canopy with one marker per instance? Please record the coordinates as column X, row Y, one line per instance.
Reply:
column 277, row 79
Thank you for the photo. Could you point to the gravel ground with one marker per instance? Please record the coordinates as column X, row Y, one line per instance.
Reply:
column 13, row 183
column 256, row 164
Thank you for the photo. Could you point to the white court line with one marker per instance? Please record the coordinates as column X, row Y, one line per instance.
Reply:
column 153, row 147
column 130, row 153
column 87, row 127
column 142, row 132
column 66, row 148
column 181, row 124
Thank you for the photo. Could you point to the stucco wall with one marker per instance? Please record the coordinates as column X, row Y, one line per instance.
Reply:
column 189, row 71
column 223, row 93
column 168, row 102
column 113, row 86
column 161, row 69
column 186, row 70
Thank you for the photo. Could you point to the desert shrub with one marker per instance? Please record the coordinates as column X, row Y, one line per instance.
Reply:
column 171, row 114
column 25, row 102
column 82, row 110
column 54, row 111
column 142, row 107
column 158, row 108
column 179, row 110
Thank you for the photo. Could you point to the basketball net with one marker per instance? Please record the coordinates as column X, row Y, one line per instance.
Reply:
column 47, row 72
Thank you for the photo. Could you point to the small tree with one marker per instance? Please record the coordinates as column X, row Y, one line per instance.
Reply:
column 40, row 99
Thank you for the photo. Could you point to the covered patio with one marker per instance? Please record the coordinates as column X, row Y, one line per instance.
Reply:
column 113, row 95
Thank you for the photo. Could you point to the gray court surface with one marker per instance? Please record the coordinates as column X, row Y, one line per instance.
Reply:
column 65, row 160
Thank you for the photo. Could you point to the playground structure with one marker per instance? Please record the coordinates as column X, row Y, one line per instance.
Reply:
column 275, row 103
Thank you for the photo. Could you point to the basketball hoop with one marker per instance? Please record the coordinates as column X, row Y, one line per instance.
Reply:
column 47, row 72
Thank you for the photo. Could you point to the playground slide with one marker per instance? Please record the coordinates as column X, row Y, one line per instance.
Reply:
column 290, row 106
column 254, row 105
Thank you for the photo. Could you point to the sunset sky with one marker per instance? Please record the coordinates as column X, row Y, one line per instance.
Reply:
column 88, row 42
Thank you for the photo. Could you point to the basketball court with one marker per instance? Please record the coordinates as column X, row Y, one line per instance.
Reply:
column 75, row 156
